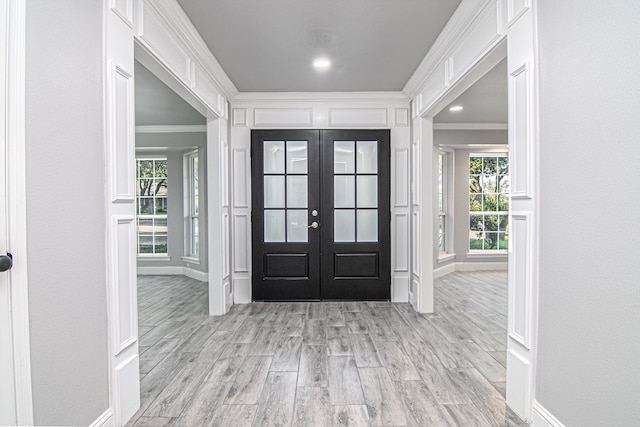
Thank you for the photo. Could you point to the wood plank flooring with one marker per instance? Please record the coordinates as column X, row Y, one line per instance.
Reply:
column 324, row 363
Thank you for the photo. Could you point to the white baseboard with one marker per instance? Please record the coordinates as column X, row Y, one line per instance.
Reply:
column 543, row 418
column 104, row 420
column 167, row 270
column 196, row 274
column 469, row 266
column 481, row 266
column 173, row 270
column 445, row 269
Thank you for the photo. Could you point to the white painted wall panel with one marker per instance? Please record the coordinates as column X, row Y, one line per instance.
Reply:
column 483, row 34
column 205, row 88
column 520, row 132
column 174, row 57
column 226, row 250
column 240, row 247
column 401, row 117
column 239, row 117
column 401, row 178
column 433, row 88
column 121, row 136
column 241, row 166
column 520, row 280
column 126, row 378
column 401, row 242
column 358, row 117
column 126, row 322
column 124, row 9
column 282, row 117
column 415, row 243
column 515, row 9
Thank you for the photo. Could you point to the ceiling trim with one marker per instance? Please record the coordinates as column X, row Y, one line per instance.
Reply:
column 177, row 20
column 470, row 126
column 485, row 147
column 307, row 97
column 171, row 129
column 458, row 26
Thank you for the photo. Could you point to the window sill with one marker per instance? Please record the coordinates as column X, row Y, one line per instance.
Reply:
column 444, row 257
column 487, row 254
column 153, row 257
column 191, row 260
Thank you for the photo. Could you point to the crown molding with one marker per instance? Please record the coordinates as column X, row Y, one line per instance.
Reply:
column 171, row 129
column 460, row 23
column 177, row 21
column 470, row 126
column 307, row 97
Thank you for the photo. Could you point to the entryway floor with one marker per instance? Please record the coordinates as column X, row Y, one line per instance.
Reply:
column 324, row 363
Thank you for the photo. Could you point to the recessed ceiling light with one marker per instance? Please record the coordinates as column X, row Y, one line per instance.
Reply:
column 456, row 108
column 321, row 63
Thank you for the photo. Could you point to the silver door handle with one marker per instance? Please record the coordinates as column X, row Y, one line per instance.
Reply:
column 314, row 224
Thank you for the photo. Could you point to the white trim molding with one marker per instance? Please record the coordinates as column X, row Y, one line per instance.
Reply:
column 470, row 126
column 174, row 270
column 182, row 31
column 202, row 276
column 104, row 420
column 16, row 203
column 469, row 266
column 171, row 129
column 543, row 418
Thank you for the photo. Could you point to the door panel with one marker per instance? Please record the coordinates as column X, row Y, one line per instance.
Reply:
column 356, row 260
column 285, row 192
column 320, row 218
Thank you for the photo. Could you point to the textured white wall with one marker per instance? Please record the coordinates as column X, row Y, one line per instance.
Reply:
column 589, row 337
column 66, row 211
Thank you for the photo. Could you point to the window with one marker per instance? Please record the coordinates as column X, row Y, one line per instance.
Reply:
column 151, row 205
column 488, row 201
column 192, row 226
column 442, row 203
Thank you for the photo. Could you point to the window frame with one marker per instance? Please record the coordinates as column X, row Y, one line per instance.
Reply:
column 488, row 252
column 445, row 210
column 151, row 255
column 192, row 208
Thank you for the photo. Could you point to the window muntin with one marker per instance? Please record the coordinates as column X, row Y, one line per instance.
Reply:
column 151, row 205
column 488, row 201
column 286, row 191
column 355, row 196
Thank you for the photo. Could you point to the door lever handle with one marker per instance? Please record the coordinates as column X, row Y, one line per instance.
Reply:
column 6, row 262
column 314, row 224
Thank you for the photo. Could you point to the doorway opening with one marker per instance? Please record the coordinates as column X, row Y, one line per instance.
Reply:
column 321, row 215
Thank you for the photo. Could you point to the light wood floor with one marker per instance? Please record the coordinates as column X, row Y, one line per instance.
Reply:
column 324, row 364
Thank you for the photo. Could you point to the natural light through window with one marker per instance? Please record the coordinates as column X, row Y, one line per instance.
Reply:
column 151, row 205
column 442, row 202
column 191, row 206
column 488, row 201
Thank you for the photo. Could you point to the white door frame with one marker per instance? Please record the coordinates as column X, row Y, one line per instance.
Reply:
column 160, row 33
column 485, row 31
column 13, row 113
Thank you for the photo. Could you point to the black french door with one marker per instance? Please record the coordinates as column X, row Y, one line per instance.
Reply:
column 320, row 215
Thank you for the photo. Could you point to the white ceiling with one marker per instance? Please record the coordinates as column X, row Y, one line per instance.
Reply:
column 484, row 102
column 268, row 45
column 156, row 104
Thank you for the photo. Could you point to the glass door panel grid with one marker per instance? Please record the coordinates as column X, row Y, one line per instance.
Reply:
column 286, row 191
column 355, row 170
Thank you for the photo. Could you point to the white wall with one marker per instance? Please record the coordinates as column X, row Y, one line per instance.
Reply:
column 589, row 342
column 179, row 143
column 66, row 211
